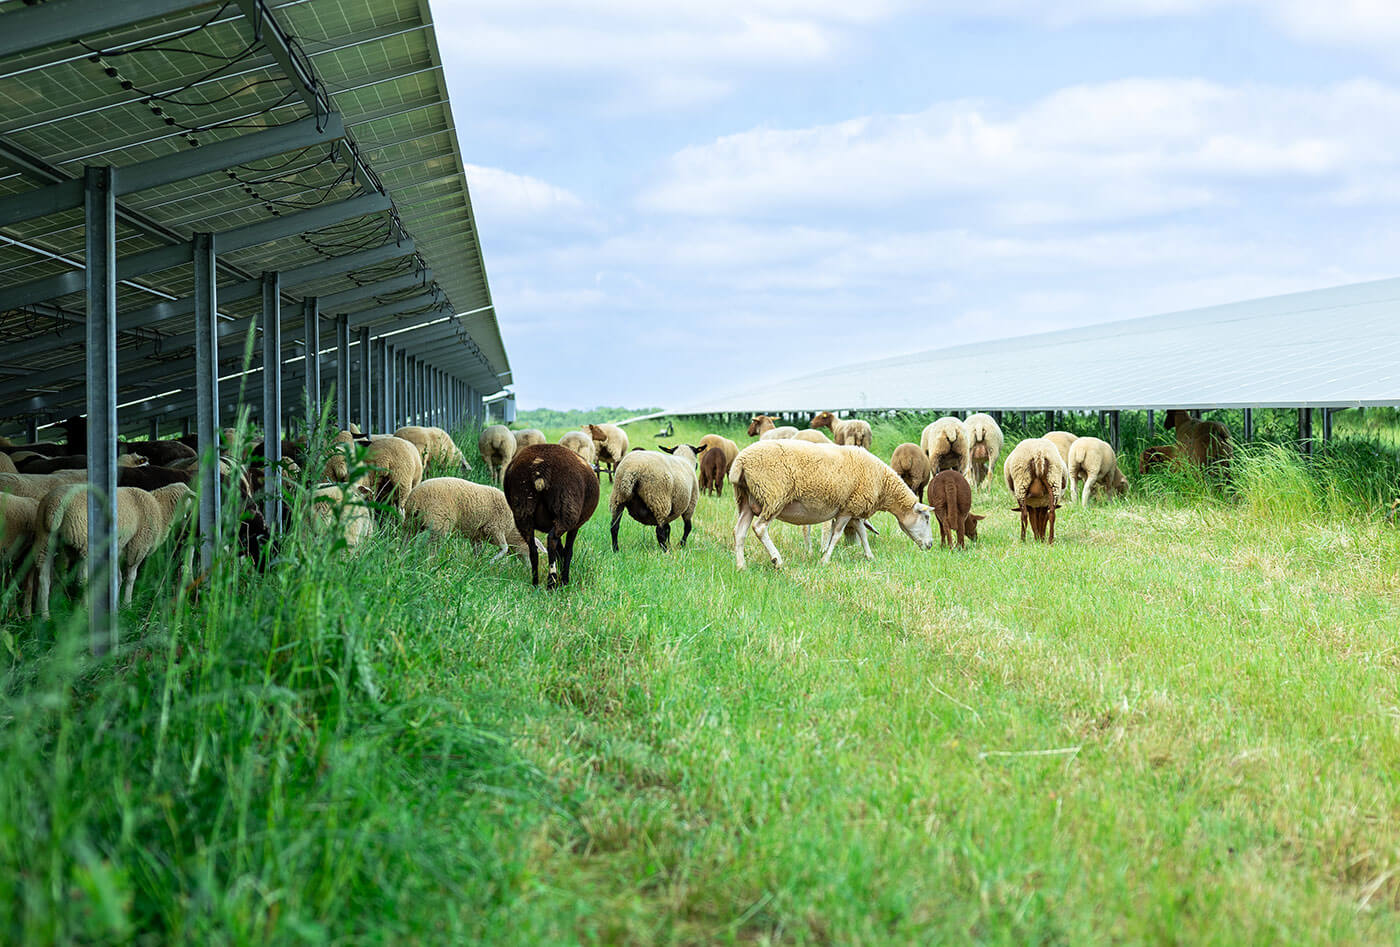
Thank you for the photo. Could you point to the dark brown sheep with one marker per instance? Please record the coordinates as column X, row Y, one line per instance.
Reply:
column 1158, row 456
column 549, row 488
column 160, row 453
column 950, row 495
column 713, row 470
column 1204, row 443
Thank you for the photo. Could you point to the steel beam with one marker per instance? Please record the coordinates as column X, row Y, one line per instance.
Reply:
column 100, row 209
column 206, row 384
column 179, row 166
column 61, row 21
column 272, row 400
column 163, row 258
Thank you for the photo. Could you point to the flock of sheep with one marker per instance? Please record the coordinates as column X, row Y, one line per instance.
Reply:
column 797, row 476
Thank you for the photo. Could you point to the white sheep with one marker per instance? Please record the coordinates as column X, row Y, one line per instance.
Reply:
column 807, row 484
column 37, row 486
column 1093, row 461
column 581, row 444
column 6, row 464
column 656, row 489
column 763, row 428
column 393, row 467
column 344, row 510
column 434, row 445
column 609, row 444
column 811, row 437
column 18, row 516
column 985, row 440
column 527, row 436
column 730, row 449
column 947, row 444
column 143, row 522
column 1063, row 441
column 1036, row 477
column 853, row 431
column 446, row 505
column 497, row 446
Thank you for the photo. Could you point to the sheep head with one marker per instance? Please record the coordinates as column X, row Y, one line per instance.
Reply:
column 595, row 432
column 970, row 524
column 918, row 525
column 824, row 419
column 756, row 425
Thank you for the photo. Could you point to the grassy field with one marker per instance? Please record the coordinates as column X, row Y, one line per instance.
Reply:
column 1179, row 723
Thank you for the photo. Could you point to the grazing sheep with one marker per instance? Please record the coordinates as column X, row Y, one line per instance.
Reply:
column 497, row 446
column 18, row 516
column 811, row 437
column 550, row 488
column 446, row 505
column 656, row 489
column 435, row 446
column 730, row 449
column 713, row 469
column 808, row 484
column 1036, row 476
column 950, row 495
column 1204, row 443
column 37, row 486
column 343, row 510
column 1158, row 456
column 1063, row 441
column 1093, row 461
column 395, row 469
column 762, row 427
column 985, row 437
column 581, row 444
column 528, row 436
column 144, row 519
column 947, row 444
column 7, row 465
column 912, row 465
column 854, row 431
column 609, row 445
column 44, row 465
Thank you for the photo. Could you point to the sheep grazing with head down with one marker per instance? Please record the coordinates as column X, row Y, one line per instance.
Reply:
column 581, row 444
column 985, row 437
column 18, row 518
column 550, row 488
column 337, row 508
column 807, row 484
column 656, row 489
column 713, row 470
column 950, row 495
column 1160, row 455
column 444, row 506
column 609, row 445
column 497, row 446
column 1036, row 477
column 763, row 427
column 435, row 446
column 1063, row 441
column 527, row 436
column 911, row 463
column 1204, row 443
column 947, row 444
column 725, row 445
column 1094, row 462
column 853, row 432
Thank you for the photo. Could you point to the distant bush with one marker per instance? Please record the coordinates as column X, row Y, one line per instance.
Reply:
column 549, row 418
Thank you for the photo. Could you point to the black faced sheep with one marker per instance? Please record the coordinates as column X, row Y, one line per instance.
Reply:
column 550, row 488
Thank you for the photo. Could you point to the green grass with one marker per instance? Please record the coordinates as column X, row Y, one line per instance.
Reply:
column 1179, row 723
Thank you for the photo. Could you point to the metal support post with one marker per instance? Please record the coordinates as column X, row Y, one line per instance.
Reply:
column 342, row 372
column 1305, row 429
column 401, row 403
column 100, row 207
column 412, row 379
column 381, row 381
column 206, row 386
column 391, row 389
column 1248, row 424
column 1113, row 431
column 272, row 399
column 311, row 312
column 1151, row 424
column 185, row 426
column 153, row 430
column 1326, row 424
column 366, row 421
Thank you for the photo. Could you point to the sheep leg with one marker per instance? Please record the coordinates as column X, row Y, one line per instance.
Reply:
column 551, row 542
column 534, row 560
column 129, row 579
column 685, row 533
column 837, row 529
column 864, row 539
column 568, row 554
column 663, row 536
column 1050, row 540
column 741, row 529
column 1025, row 518
column 1088, row 482
column 617, row 522
column 760, row 529
column 44, row 561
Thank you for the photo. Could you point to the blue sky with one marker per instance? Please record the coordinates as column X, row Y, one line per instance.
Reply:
column 679, row 198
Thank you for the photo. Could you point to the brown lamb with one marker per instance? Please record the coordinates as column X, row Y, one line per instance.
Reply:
column 550, row 488
column 1204, row 443
column 713, row 470
column 950, row 495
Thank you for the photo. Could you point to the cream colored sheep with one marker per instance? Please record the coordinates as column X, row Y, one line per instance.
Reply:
column 763, row 428
column 808, row 484
column 581, row 444
column 656, row 488
column 395, row 469
column 18, row 516
column 530, row 435
column 37, row 486
column 853, row 431
column 435, row 446
column 343, row 510
column 1063, row 441
column 1094, row 462
column 947, row 444
column 912, row 465
column 730, row 449
column 143, row 522
column 447, row 505
column 610, row 445
column 1036, row 477
column 811, row 437
column 984, row 440
column 497, row 446
column 6, row 464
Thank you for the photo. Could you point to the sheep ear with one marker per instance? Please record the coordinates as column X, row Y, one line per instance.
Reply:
column 669, row 450
column 696, row 448
column 976, row 518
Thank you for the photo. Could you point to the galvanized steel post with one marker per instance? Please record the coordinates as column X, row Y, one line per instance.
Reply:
column 366, row 421
column 311, row 312
column 100, row 208
column 342, row 372
column 1248, row 424
column 272, row 398
column 206, row 386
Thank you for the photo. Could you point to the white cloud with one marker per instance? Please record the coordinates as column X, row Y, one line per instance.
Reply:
column 502, row 197
column 1115, row 150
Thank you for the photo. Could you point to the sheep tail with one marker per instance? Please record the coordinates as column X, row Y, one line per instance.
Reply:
column 741, row 487
column 950, row 496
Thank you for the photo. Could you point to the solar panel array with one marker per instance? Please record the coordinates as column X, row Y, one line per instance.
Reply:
column 210, row 73
column 1337, row 347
